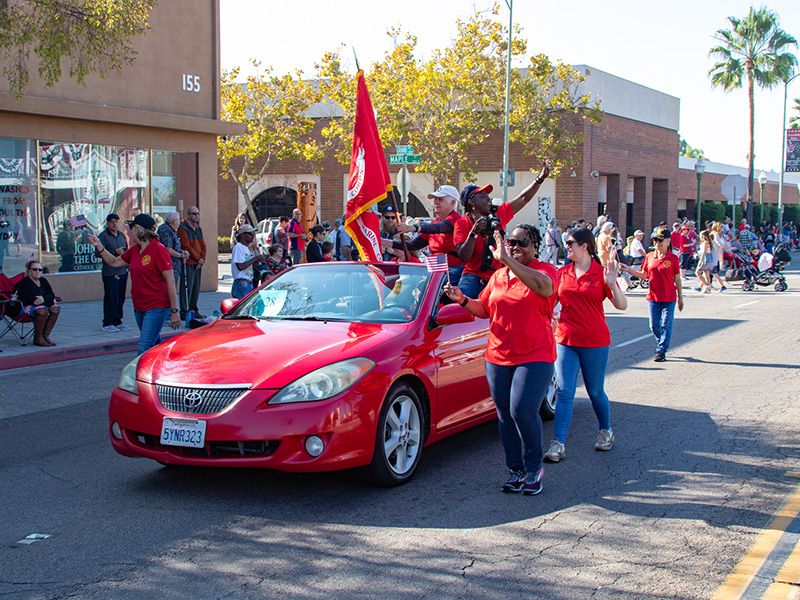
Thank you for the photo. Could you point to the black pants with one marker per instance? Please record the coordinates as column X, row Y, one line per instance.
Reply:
column 114, row 287
column 190, row 289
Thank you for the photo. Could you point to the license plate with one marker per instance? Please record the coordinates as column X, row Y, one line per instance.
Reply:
column 190, row 433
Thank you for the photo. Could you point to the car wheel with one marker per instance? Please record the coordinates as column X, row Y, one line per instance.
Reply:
column 548, row 408
column 399, row 438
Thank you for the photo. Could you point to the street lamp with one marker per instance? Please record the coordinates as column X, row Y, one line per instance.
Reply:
column 510, row 4
column 762, row 181
column 699, row 169
column 786, row 83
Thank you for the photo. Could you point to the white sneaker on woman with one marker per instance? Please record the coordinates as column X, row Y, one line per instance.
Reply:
column 556, row 452
column 605, row 440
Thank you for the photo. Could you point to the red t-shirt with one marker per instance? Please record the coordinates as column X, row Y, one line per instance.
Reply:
column 519, row 330
column 661, row 273
column 148, row 287
column 442, row 243
column 461, row 232
column 582, row 322
column 689, row 239
column 297, row 243
column 677, row 241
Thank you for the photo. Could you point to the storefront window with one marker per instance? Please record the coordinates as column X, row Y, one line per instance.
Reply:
column 17, row 205
column 174, row 182
column 80, row 185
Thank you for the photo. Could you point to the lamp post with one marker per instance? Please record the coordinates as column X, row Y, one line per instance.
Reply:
column 762, row 181
column 510, row 4
column 786, row 83
column 699, row 169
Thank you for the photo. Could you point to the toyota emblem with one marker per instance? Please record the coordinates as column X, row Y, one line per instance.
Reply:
column 192, row 399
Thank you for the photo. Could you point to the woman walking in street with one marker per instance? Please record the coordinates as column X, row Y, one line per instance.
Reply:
column 583, row 338
column 152, row 283
column 520, row 350
column 662, row 269
column 706, row 258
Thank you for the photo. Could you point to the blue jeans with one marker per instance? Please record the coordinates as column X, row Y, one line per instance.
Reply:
column 592, row 363
column 241, row 287
column 150, row 323
column 661, row 316
column 471, row 285
column 518, row 391
column 455, row 274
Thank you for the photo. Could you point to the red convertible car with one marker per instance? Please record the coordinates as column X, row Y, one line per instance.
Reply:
column 327, row 366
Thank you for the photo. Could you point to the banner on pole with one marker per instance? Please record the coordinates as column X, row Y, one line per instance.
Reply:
column 792, row 151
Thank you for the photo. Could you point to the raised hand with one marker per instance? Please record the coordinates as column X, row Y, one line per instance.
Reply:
column 455, row 294
column 545, row 170
column 94, row 241
column 500, row 250
column 611, row 271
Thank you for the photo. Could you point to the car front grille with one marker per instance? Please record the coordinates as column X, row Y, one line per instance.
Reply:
column 197, row 401
column 216, row 449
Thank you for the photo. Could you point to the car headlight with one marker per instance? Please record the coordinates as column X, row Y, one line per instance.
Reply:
column 325, row 382
column 127, row 380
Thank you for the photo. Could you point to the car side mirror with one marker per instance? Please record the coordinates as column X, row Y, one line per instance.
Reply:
column 453, row 314
column 228, row 305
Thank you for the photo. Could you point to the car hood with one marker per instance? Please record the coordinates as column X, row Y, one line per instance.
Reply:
column 264, row 354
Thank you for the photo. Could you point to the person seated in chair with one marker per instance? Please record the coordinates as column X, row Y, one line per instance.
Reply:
column 38, row 302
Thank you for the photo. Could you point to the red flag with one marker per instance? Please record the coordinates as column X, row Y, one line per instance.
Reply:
column 369, row 179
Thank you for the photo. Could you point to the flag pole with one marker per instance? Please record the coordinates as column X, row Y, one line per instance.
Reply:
column 358, row 68
column 403, row 242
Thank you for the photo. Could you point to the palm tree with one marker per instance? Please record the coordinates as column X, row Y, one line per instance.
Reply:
column 754, row 49
column 795, row 120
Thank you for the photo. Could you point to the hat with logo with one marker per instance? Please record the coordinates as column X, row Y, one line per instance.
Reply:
column 444, row 191
column 143, row 220
column 469, row 191
column 660, row 233
column 388, row 209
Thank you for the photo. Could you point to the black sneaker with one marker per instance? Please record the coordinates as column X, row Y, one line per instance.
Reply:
column 516, row 479
column 533, row 487
column 660, row 357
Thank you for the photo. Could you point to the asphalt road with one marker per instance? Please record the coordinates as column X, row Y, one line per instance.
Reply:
column 703, row 445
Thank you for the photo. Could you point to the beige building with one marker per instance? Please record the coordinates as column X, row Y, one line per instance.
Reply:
column 143, row 139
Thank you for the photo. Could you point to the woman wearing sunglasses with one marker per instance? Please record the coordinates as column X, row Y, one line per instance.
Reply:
column 520, row 350
column 582, row 336
column 38, row 302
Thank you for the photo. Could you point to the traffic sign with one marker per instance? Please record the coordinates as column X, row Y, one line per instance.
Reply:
column 396, row 159
column 413, row 159
column 733, row 188
column 404, row 149
column 409, row 159
column 512, row 177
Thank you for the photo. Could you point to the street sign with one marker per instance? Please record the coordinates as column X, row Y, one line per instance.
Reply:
column 408, row 159
column 733, row 188
column 404, row 149
column 512, row 178
column 413, row 159
column 396, row 159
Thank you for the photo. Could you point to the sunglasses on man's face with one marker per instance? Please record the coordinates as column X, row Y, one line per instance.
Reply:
column 390, row 218
column 520, row 243
column 36, row 269
column 194, row 213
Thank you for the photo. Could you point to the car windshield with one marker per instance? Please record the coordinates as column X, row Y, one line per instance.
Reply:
column 360, row 292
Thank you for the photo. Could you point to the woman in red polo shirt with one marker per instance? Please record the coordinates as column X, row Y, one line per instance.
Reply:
column 520, row 350
column 582, row 336
column 662, row 269
column 152, row 282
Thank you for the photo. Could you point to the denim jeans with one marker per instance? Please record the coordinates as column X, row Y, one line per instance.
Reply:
column 471, row 285
column 114, row 287
column 297, row 256
column 241, row 287
column 150, row 323
column 661, row 316
column 454, row 273
column 518, row 391
column 592, row 363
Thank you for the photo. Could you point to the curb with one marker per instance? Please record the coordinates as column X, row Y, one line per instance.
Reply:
column 46, row 357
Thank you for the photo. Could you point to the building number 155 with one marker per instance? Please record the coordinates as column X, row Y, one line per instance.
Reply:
column 191, row 83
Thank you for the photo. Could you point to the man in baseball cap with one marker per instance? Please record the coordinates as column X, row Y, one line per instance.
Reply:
column 144, row 221
column 115, row 279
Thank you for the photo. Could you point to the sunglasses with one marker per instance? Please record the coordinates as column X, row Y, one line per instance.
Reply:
column 569, row 242
column 390, row 218
column 36, row 269
column 520, row 243
column 194, row 213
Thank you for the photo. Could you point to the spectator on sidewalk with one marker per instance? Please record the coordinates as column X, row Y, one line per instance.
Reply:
column 115, row 279
column 275, row 263
column 314, row 248
column 552, row 243
column 191, row 235
column 168, row 236
column 38, row 302
column 243, row 256
column 152, row 282
column 342, row 243
column 65, row 246
column 297, row 237
column 637, row 250
column 606, row 242
column 240, row 220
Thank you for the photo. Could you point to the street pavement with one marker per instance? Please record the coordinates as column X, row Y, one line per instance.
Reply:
column 704, row 445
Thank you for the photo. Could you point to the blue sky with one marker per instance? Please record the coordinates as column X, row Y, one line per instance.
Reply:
column 663, row 45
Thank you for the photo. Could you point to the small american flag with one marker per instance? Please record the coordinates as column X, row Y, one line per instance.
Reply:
column 436, row 263
column 78, row 221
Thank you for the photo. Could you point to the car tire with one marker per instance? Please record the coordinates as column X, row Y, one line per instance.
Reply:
column 399, row 437
column 548, row 408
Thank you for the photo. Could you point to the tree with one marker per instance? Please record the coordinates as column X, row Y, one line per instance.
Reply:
column 795, row 119
column 453, row 101
column 690, row 151
column 754, row 49
column 90, row 36
column 275, row 112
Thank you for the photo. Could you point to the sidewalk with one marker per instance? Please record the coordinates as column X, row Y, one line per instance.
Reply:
column 78, row 332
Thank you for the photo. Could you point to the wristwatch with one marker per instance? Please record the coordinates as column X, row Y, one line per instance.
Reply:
column 174, row 310
column 464, row 302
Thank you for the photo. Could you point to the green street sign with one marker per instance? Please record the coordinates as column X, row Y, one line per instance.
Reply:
column 404, row 149
column 396, row 159
column 409, row 159
column 413, row 159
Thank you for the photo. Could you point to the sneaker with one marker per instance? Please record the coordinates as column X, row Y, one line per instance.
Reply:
column 605, row 440
column 534, row 486
column 516, row 479
column 199, row 316
column 722, row 289
column 123, row 327
column 556, row 452
column 707, row 290
column 110, row 329
column 660, row 357
column 697, row 289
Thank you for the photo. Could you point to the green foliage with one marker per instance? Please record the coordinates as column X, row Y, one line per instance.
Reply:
column 791, row 213
column 452, row 101
column 90, row 36
column 690, row 151
column 223, row 244
column 765, row 211
column 275, row 111
column 710, row 211
column 794, row 120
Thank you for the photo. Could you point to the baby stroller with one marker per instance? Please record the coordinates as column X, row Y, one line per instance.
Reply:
column 632, row 281
column 768, row 270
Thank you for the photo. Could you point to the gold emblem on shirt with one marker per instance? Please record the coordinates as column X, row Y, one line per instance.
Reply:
column 146, row 260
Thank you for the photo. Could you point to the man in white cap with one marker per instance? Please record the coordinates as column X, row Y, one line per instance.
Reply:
column 637, row 250
column 438, row 234
column 243, row 257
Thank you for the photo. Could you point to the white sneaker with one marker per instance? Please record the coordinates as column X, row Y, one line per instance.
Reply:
column 110, row 329
column 605, row 440
column 556, row 452
column 123, row 327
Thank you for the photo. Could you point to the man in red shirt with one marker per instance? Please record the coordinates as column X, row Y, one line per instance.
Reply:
column 688, row 246
column 473, row 236
column 297, row 237
column 676, row 238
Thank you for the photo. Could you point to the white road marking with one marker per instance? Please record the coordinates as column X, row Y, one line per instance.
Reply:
column 747, row 304
column 34, row 537
column 633, row 341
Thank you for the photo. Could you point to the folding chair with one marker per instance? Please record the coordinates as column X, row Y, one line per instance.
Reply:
column 14, row 320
